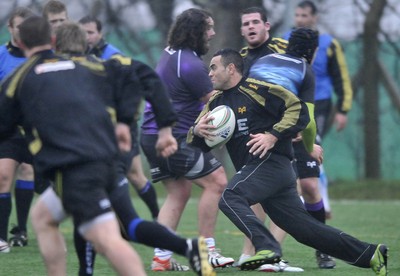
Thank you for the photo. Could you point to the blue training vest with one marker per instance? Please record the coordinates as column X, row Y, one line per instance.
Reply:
column 323, row 82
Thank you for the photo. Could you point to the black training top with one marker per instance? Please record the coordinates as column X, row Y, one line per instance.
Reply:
column 259, row 107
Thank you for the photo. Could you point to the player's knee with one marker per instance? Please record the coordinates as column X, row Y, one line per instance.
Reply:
column 100, row 247
column 137, row 179
column 6, row 179
column 25, row 172
column 309, row 188
column 220, row 181
column 41, row 217
column 223, row 201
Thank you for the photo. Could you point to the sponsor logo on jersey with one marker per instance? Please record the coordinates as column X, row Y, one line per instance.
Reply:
column 242, row 109
column 311, row 164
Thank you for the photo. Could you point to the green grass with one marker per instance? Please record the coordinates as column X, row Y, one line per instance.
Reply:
column 373, row 221
column 368, row 189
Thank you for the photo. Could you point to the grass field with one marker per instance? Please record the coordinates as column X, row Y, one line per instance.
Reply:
column 372, row 221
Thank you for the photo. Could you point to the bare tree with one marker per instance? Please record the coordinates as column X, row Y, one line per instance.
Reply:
column 163, row 12
column 226, row 14
column 371, row 96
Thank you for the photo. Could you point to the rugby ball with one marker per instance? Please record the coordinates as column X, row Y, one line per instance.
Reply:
column 224, row 121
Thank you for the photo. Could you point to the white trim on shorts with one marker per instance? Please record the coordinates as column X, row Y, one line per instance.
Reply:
column 86, row 226
column 53, row 204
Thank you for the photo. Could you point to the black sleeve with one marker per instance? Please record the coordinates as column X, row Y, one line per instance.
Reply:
column 10, row 115
column 195, row 140
column 154, row 91
column 292, row 112
column 339, row 74
column 307, row 89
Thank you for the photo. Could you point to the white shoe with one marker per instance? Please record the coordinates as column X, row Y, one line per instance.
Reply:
column 4, row 247
column 167, row 265
column 282, row 266
column 217, row 260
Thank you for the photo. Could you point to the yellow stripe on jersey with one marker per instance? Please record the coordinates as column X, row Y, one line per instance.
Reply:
column 310, row 132
column 95, row 67
column 344, row 73
column 311, row 129
column 113, row 114
column 36, row 145
column 293, row 105
column 260, row 99
column 278, row 45
column 18, row 75
column 123, row 60
column 58, row 184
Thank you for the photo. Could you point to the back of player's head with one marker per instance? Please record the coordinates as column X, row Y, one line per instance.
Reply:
column 259, row 10
column 189, row 29
column 308, row 4
column 35, row 31
column 22, row 12
column 70, row 39
column 229, row 56
column 89, row 19
column 54, row 7
column 302, row 43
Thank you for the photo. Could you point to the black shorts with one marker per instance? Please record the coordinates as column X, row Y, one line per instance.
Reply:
column 16, row 148
column 189, row 162
column 84, row 189
column 125, row 159
column 135, row 144
column 305, row 165
column 323, row 115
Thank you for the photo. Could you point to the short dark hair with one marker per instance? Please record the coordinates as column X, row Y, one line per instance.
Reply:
column 35, row 31
column 22, row 12
column 308, row 4
column 302, row 43
column 53, row 6
column 188, row 31
column 261, row 11
column 89, row 19
column 229, row 56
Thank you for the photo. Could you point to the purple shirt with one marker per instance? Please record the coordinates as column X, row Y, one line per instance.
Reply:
column 186, row 78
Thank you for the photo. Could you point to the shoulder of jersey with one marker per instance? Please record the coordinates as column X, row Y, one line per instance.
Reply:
column 279, row 45
column 216, row 94
column 123, row 60
column 243, row 52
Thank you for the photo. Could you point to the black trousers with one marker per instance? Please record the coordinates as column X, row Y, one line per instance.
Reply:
column 271, row 182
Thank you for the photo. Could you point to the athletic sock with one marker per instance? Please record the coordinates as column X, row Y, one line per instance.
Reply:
column 210, row 243
column 316, row 210
column 122, row 204
column 323, row 188
column 149, row 196
column 5, row 211
column 86, row 254
column 156, row 235
column 23, row 200
column 162, row 254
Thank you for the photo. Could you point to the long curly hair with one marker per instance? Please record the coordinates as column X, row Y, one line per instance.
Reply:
column 189, row 31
